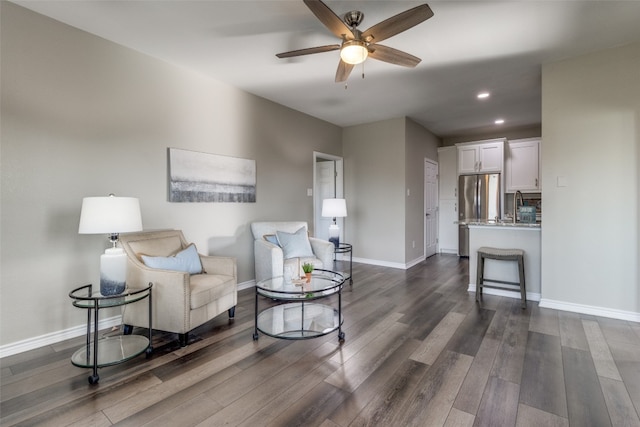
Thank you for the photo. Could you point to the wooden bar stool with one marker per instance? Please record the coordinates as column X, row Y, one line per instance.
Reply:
column 500, row 255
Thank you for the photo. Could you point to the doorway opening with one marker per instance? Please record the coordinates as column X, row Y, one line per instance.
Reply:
column 328, row 183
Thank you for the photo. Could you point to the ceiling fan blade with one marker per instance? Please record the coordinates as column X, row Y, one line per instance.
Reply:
column 393, row 56
column 308, row 51
column 344, row 69
column 397, row 24
column 329, row 19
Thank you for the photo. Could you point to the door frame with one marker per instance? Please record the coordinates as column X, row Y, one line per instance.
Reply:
column 436, row 208
column 338, row 185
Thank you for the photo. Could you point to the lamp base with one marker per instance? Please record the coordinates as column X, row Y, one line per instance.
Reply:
column 113, row 271
column 334, row 234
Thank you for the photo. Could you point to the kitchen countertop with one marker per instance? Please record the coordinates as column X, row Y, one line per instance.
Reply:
column 501, row 224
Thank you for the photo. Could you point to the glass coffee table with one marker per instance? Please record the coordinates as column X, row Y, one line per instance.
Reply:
column 297, row 309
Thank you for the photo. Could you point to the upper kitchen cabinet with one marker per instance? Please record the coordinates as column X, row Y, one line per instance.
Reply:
column 481, row 156
column 522, row 165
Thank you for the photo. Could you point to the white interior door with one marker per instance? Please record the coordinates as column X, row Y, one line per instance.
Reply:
column 328, row 184
column 430, row 208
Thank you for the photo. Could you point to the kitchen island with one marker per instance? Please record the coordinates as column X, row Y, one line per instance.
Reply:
column 506, row 235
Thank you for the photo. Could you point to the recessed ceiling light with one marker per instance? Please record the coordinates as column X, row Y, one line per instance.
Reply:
column 483, row 95
column 499, row 121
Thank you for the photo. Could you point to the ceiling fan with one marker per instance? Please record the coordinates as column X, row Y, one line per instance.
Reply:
column 357, row 45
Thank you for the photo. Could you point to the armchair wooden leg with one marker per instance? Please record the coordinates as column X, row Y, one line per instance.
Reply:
column 184, row 339
column 232, row 312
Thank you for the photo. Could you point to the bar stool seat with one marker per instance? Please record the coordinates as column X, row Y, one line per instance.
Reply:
column 500, row 254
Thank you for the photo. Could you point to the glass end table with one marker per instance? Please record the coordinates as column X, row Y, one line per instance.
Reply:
column 346, row 248
column 109, row 351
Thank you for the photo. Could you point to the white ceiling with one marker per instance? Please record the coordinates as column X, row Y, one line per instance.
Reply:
column 465, row 47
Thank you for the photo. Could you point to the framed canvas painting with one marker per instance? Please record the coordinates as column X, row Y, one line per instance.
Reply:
column 202, row 177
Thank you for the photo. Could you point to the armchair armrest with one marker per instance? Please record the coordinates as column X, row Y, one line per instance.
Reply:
column 171, row 294
column 220, row 265
column 323, row 250
column 268, row 259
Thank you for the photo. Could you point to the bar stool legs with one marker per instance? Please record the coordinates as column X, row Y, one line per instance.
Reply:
column 500, row 255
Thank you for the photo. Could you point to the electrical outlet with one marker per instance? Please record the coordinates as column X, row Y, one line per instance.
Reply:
column 309, row 192
column 413, row 243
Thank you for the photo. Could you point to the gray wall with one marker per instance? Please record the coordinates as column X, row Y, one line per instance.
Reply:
column 421, row 145
column 591, row 140
column 383, row 160
column 85, row 117
column 374, row 185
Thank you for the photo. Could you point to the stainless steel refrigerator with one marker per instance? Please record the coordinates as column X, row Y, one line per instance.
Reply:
column 478, row 200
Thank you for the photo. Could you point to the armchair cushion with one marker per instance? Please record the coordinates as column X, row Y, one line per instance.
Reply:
column 295, row 245
column 206, row 288
column 187, row 260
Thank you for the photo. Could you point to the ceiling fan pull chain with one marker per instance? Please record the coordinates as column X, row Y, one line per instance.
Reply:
column 363, row 70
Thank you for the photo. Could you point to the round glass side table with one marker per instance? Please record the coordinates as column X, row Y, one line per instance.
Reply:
column 107, row 351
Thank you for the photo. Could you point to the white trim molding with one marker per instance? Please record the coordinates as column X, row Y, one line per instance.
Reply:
column 73, row 332
column 398, row 265
column 531, row 296
column 55, row 337
column 590, row 309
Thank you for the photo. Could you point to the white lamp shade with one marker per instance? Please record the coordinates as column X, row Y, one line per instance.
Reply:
column 105, row 215
column 334, row 208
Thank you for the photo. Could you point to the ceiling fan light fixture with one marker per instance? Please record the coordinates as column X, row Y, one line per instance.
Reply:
column 354, row 52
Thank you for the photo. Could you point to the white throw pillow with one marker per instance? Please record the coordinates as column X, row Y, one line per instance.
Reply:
column 295, row 245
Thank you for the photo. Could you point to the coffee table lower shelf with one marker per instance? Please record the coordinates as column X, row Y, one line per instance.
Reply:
column 299, row 321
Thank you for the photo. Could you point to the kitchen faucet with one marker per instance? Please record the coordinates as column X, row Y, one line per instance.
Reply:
column 515, row 205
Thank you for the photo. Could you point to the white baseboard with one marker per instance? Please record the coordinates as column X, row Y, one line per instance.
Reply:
column 563, row 305
column 55, row 337
column 590, row 309
column 414, row 262
column 75, row 331
column 246, row 285
column 380, row 263
column 449, row 251
column 398, row 265
column 531, row 296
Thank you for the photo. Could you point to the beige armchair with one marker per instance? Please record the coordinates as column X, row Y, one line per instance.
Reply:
column 181, row 301
column 270, row 260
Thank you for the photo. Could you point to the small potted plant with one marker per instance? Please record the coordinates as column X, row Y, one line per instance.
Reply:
column 307, row 267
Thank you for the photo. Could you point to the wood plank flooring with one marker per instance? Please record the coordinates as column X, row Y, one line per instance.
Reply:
column 418, row 351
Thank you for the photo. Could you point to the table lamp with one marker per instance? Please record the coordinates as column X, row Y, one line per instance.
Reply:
column 111, row 215
column 334, row 208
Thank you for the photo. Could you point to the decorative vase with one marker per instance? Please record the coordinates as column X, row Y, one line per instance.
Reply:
column 308, row 276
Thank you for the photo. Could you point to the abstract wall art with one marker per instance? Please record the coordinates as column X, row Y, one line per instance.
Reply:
column 202, row 177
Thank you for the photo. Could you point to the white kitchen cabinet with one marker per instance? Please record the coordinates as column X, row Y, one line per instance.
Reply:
column 481, row 157
column 447, row 200
column 447, row 226
column 522, row 165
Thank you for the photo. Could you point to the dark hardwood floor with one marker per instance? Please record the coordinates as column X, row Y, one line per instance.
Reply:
column 418, row 351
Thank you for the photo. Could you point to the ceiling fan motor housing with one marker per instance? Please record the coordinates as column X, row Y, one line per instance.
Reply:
column 353, row 18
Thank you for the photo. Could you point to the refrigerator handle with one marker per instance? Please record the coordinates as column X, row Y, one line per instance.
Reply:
column 477, row 198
